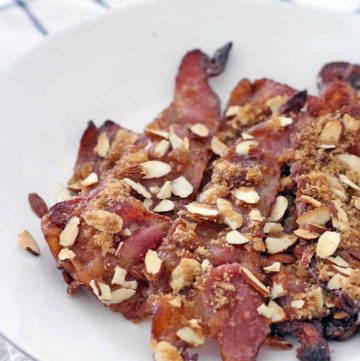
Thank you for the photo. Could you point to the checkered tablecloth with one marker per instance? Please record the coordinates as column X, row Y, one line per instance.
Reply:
column 25, row 23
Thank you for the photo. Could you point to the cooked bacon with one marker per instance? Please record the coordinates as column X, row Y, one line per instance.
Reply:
column 313, row 346
column 38, row 205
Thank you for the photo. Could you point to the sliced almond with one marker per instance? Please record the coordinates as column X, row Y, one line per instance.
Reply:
column 336, row 187
column 120, row 295
column 315, row 228
column 276, row 102
column 62, row 194
column 104, row 221
column 103, row 145
column 327, row 244
column 166, row 205
column 91, row 179
column 337, row 282
column 165, row 191
column 275, row 267
column 272, row 227
column 352, row 161
column 331, row 133
column 152, row 263
column 338, row 261
column 254, row 282
column 202, row 210
column 27, row 241
column 297, row 304
column 319, row 216
column 345, row 180
column 284, row 121
column 319, row 298
column 277, row 290
column 247, row 195
column 211, row 194
column 200, row 130
column 165, row 351
column 181, row 187
column 147, row 203
column 137, row 187
column 194, row 337
column 306, row 234
column 255, row 215
column 279, row 209
column 345, row 271
column 119, row 276
column 233, row 219
column 280, row 244
column 339, row 217
column 310, row 200
column 176, row 302
column 175, row 140
column 101, row 290
column 243, row 147
column 235, row 237
column 155, row 169
column 350, row 123
column 232, row 111
column 246, row 136
column 218, row 147
column 158, row 132
column 357, row 203
column 205, row 265
column 65, row 254
column 161, row 148
column 326, row 146
column 184, row 273
column 70, row 232
column 265, row 311
column 278, row 313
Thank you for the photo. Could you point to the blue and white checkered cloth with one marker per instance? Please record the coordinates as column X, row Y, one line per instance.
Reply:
column 25, row 23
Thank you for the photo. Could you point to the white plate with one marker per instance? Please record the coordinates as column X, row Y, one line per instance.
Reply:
column 122, row 67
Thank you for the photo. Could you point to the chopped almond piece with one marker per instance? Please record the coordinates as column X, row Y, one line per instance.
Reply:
column 338, row 261
column 200, row 129
column 310, row 200
column 246, row 136
column 164, row 351
column 181, row 187
column 193, row 336
column 254, row 282
column 350, row 123
column 255, row 215
column 137, row 187
column 233, row 219
column 278, row 314
column 205, row 265
column 247, row 195
column 104, row 221
column 284, row 121
column 65, row 254
column 165, row 191
column 175, row 140
column 344, row 179
column 339, row 217
column 62, row 194
column 319, row 298
column 337, row 282
column 184, row 273
column 218, row 147
column 152, row 263
column 275, row 267
column 91, row 179
column 202, row 210
column 298, row 304
column 265, row 311
column 235, row 237
column 279, row 209
column 327, row 244
column 175, row 302
column 306, row 234
column 27, row 241
column 70, row 232
column 160, row 133
column 345, row 271
column 119, row 276
column 357, row 203
column 277, row 245
column 272, row 227
column 352, row 161
column 101, row 290
column 120, row 295
column 148, row 203
column 243, row 147
column 276, row 102
column 103, row 145
column 166, row 205
column 161, row 148
column 232, row 111
column 336, row 187
column 277, row 290
column 331, row 133
column 319, row 216
column 155, row 169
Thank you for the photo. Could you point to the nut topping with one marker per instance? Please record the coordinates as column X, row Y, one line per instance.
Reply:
column 275, row 267
column 279, row 209
column 103, row 145
column 254, row 282
column 152, row 263
column 200, row 129
column 161, row 148
column 277, row 245
column 158, row 132
column 62, row 194
column 91, row 179
column 265, row 311
column 235, row 237
column 27, row 241
column 202, row 210
column 181, row 187
column 310, row 200
column 344, row 179
column 337, row 282
column 278, row 314
column 306, row 234
column 319, row 216
column 243, row 147
column 327, row 244
column 284, row 121
column 352, row 161
column 165, row 351
column 104, row 221
column 175, row 140
column 357, row 203
column 231, row 218
column 70, row 232
column 184, row 273
column 350, row 123
column 165, row 191
column 166, row 205
column 331, row 133
column 101, row 290
column 218, row 147
column 119, row 276
column 297, row 304
column 247, row 195
column 120, row 295
column 192, row 335
column 277, row 290
column 338, row 261
column 65, row 254
column 155, row 169
column 137, row 187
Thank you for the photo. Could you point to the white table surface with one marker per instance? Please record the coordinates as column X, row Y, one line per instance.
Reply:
column 25, row 23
